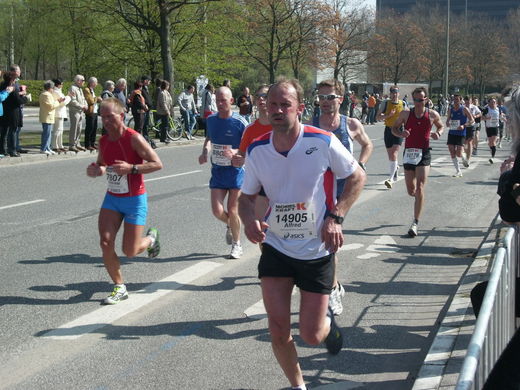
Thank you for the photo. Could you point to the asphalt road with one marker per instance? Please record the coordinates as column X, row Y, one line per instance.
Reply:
column 195, row 318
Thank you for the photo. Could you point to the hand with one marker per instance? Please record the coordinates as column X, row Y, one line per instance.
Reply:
column 228, row 153
column 203, row 158
column 332, row 235
column 61, row 100
column 94, row 170
column 238, row 160
column 122, row 167
column 9, row 89
column 507, row 164
column 435, row 135
column 405, row 133
column 255, row 231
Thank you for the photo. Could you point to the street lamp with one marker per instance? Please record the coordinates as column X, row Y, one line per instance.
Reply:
column 446, row 89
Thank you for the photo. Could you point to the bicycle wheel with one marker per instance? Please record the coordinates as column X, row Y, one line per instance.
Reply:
column 130, row 123
column 175, row 129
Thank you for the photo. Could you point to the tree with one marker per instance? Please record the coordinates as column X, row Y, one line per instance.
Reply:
column 397, row 49
column 345, row 36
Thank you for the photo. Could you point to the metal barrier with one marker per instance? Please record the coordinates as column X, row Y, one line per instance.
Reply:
column 495, row 325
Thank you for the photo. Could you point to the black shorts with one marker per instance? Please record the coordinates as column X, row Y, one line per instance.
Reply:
column 492, row 131
column 390, row 139
column 470, row 132
column 315, row 276
column 425, row 161
column 457, row 140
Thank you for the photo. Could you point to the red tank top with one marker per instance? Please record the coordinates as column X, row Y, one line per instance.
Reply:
column 121, row 149
column 419, row 129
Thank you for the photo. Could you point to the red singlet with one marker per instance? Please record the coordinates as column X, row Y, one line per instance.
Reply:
column 419, row 129
column 121, row 149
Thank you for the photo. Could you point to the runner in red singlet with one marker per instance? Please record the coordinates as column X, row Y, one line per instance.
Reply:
column 124, row 156
column 416, row 158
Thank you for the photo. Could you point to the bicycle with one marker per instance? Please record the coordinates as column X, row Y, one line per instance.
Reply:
column 179, row 128
column 154, row 127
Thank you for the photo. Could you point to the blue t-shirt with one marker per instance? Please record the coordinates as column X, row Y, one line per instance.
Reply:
column 458, row 115
column 225, row 133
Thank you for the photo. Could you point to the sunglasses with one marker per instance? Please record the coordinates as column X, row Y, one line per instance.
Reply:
column 328, row 97
column 261, row 95
column 394, row 90
column 419, row 100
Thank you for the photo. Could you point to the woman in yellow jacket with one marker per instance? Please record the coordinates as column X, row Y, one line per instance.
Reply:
column 48, row 105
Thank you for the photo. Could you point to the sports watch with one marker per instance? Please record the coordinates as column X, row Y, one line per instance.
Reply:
column 339, row 220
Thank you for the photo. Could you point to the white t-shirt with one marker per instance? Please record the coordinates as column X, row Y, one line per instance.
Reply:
column 301, row 183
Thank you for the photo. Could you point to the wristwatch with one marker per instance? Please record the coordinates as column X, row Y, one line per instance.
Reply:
column 134, row 170
column 363, row 166
column 339, row 220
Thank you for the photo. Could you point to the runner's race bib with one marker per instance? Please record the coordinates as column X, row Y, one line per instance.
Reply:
column 412, row 156
column 117, row 184
column 454, row 124
column 217, row 155
column 493, row 122
column 293, row 221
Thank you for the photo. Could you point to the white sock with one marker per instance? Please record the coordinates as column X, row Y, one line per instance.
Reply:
column 122, row 286
column 236, row 242
column 393, row 168
column 456, row 163
column 300, row 387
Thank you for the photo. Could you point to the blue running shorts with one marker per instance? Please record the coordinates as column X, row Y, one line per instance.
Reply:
column 133, row 208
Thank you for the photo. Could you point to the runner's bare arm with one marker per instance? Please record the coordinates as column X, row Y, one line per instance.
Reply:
column 359, row 134
column 203, row 158
column 331, row 233
column 253, row 228
column 401, row 120
column 435, row 118
column 98, row 168
column 151, row 163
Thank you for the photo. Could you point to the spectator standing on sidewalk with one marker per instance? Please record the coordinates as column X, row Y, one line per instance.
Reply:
column 60, row 114
column 91, row 115
column 48, row 106
column 188, row 109
column 138, row 106
column 120, row 93
column 164, row 109
column 146, row 81
column 4, row 93
column 209, row 104
column 77, row 108
column 22, row 90
column 11, row 120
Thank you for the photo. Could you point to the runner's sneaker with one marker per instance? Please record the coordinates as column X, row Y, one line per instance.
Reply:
column 457, row 174
column 236, row 251
column 334, row 340
column 491, row 161
column 396, row 174
column 388, row 183
column 335, row 297
column 474, row 152
column 155, row 248
column 118, row 294
column 229, row 236
column 465, row 162
column 412, row 232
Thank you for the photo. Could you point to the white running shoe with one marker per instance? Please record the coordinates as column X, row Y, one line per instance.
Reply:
column 117, row 295
column 465, row 162
column 236, row 251
column 336, row 295
column 491, row 161
column 388, row 183
column 412, row 232
column 458, row 174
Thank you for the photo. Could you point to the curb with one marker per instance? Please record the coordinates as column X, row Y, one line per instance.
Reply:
column 442, row 364
column 34, row 155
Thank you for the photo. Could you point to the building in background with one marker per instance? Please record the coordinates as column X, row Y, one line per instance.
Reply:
column 495, row 9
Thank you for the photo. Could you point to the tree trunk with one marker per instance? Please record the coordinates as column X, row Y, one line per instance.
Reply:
column 166, row 52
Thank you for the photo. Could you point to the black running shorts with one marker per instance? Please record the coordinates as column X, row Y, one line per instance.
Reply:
column 425, row 161
column 315, row 276
column 390, row 139
column 457, row 140
column 470, row 132
column 492, row 131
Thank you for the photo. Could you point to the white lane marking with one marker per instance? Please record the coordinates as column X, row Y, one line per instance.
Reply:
column 257, row 311
column 108, row 314
column 170, row 176
column 22, row 204
column 350, row 247
column 383, row 244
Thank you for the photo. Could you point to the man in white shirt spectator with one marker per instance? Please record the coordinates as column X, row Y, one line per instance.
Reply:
column 188, row 109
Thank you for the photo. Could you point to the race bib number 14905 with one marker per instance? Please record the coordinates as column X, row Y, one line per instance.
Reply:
column 293, row 221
